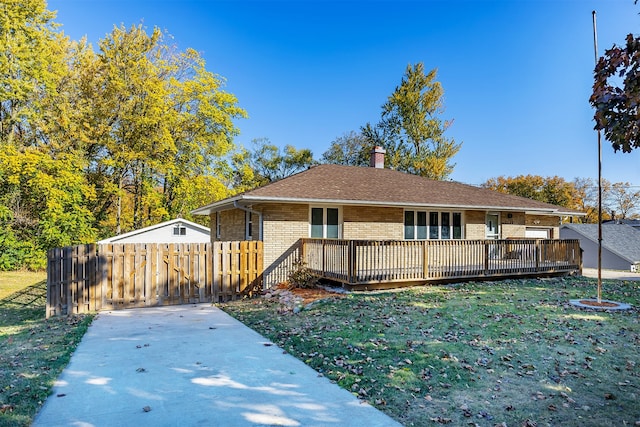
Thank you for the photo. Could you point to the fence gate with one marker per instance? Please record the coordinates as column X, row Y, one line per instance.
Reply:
column 113, row 276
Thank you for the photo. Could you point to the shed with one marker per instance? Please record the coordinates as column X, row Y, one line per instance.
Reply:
column 177, row 230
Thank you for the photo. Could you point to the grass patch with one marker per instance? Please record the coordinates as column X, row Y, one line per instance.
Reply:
column 33, row 350
column 508, row 353
column 14, row 281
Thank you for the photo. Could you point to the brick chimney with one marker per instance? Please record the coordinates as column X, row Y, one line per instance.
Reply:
column 377, row 157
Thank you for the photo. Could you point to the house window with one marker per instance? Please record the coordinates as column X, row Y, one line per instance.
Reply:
column 179, row 230
column 325, row 223
column 440, row 225
column 409, row 228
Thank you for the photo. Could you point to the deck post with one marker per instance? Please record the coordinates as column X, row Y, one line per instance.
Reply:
column 486, row 257
column 351, row 262
column 425, row 259
column 324, row 257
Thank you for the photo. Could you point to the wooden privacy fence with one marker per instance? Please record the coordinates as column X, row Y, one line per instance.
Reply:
column 357, row 263
column 88, row 278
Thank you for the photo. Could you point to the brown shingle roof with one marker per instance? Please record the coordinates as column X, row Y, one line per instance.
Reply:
column 371, row 186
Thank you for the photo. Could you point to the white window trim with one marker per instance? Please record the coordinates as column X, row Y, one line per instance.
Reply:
column 428, row 212
column 324, row 219
column 498, row 225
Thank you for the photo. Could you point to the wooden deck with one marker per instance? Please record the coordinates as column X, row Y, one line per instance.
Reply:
column 367, row 264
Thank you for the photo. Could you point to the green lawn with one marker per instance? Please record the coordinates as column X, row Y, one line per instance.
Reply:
column 509, row 353
column 33, row 351
column 14, row 281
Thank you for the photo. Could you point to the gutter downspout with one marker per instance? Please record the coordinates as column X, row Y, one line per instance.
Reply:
column 251, row 211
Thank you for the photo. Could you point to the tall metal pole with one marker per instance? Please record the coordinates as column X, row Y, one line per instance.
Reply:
column 595, row 51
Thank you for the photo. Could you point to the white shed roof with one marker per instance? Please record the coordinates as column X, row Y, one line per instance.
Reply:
column 154, row 233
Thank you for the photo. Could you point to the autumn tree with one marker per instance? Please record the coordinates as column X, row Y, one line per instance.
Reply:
column 43, row 193
column 29, row 66
column 587, row 197
column 554, row 190
column 616, row 95
column 412, row 130
column 624, row 201
column 97, row 142
column 154, row 123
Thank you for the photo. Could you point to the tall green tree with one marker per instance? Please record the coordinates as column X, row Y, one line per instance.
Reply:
column 412, row 129
column 270, row 163
column 351, row 149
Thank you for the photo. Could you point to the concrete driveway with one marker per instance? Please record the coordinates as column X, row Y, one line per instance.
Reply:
column 192, row 365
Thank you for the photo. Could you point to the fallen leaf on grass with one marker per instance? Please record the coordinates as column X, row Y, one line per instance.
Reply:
column 7, row 408
column 441, row 420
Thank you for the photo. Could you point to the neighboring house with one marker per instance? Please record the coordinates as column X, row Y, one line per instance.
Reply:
column 350, row 202
column 620, row 245
column 635, row 223
column 174, row 231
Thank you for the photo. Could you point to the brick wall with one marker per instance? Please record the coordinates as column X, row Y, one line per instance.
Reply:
column 373, row 223
column 474, row 228
column 512, row 227
column 283, row 225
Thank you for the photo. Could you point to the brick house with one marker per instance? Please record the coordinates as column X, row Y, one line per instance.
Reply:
column 349, row 202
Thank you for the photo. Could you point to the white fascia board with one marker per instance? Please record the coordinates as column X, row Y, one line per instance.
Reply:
column 216, row 206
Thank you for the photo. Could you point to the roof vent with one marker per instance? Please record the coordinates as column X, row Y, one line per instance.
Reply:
column 377, row 157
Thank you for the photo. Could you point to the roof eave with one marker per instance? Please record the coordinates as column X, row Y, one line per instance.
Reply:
column 227, row 203
column 215, row 206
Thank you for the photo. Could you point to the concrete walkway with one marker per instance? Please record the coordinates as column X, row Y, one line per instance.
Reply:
column 610, row 274
column 192, row 365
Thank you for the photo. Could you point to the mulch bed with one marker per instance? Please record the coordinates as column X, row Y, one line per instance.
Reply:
column 310, row 295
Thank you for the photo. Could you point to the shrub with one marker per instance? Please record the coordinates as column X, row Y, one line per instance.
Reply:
column 301, row 276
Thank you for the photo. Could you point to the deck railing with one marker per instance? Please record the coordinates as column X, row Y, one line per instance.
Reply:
column 358, row 262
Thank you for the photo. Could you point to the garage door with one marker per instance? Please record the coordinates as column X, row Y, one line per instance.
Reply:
column 536, row 233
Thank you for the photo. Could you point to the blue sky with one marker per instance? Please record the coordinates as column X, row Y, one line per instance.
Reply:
column 516, row 74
